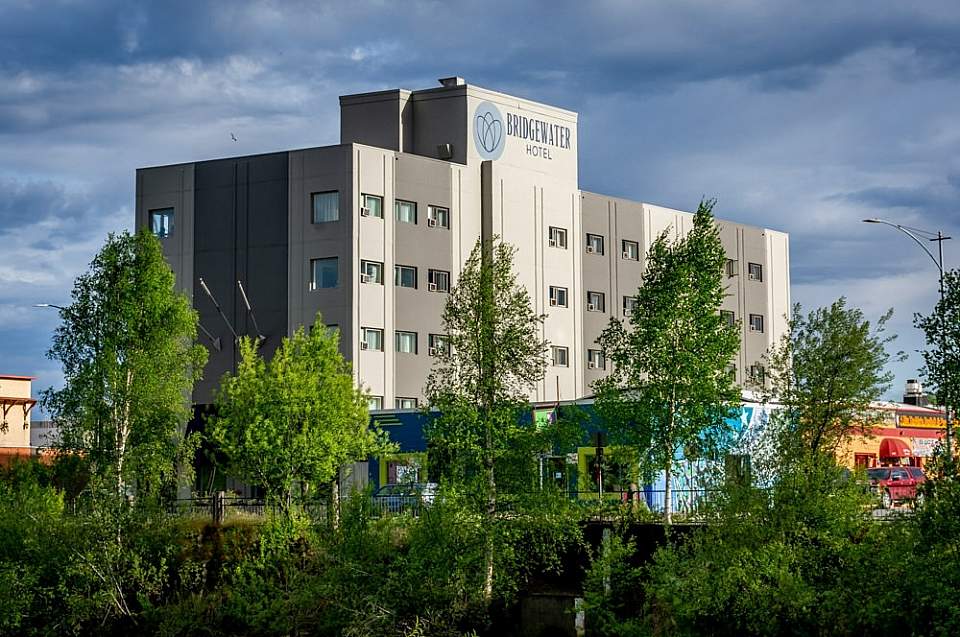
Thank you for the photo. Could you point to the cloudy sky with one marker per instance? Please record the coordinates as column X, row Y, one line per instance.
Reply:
column 800, row 116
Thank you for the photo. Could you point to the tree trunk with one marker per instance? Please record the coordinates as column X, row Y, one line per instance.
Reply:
column 335, row 502
column 488, row 540
column 668, row 468
column 668, row 494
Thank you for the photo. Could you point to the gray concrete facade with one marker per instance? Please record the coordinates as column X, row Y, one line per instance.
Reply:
column 472, row 162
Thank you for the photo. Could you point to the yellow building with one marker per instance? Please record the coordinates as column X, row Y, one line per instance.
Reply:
column 15, row 407
column 906, row 435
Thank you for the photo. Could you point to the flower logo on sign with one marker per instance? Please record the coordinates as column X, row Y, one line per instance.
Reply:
column 488, row 131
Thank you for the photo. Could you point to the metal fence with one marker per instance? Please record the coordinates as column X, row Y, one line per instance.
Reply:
column 686, row 503
column 221, row 507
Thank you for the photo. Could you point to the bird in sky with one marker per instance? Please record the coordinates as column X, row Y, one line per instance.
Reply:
column 233, row 137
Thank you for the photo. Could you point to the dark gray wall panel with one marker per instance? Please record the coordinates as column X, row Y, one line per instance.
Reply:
column 240, row 233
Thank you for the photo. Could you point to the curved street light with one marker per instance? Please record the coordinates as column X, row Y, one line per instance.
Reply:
column 939, row 238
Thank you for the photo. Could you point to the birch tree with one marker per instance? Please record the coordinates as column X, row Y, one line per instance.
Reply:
column 670, row 388
column 493, row 356
column 127, row 346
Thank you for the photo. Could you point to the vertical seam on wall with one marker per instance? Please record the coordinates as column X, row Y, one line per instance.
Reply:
column 579, row 376
column 614, row 260
column 355, row 284
column 611, row 206
column 742, row 302
column 538, row 274
column 501, row 209
column 389, row 380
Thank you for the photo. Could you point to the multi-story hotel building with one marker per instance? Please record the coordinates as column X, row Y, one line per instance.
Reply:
column 374, row 231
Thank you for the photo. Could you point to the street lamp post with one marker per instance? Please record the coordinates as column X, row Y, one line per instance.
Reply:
column 938, row 261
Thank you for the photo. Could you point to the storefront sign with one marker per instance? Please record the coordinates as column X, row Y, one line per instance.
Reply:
column 924, row 447
column 922, row 421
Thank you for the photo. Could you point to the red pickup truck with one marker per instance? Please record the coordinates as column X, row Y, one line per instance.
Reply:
column 896, row 484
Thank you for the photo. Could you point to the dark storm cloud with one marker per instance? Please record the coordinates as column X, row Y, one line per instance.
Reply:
column 25, row 203
column 803, row 117
column 935, row 199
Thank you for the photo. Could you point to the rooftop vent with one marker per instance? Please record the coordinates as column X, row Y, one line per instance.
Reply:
column 914, row 394
column 452, row 81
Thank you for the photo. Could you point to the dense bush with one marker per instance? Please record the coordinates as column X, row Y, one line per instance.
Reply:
column 119, row 569
column 800, row 558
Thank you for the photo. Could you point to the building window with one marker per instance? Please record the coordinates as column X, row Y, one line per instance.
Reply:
column 324, row 273
column 372, row 339
column 558, row 237
column 755, row 271
column 438, row 216
column 629, row 304
column 407, row 342
column 438, row 280
column 405, row 276
column 372, row 206
column 756, row 322
column 406, row 211
column 161, row 222
column 596, row 359
column 596, row 302
column 371, row 272
column 732, row 372
column 374, row 403
column 631, row 250
column 558, row 296
column 438, row 343
column 406, row 403
column 326, row 206
column 560, row 356
column 757, row 373
column 730, row 318
column 732, row 267
column 595, row 243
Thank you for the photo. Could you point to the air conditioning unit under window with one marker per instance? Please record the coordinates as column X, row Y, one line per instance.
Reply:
column 553, row 243
column 431, row 223
column 553, row 301
column 591, row 307
column 592, row 365
column 432, row 287
column 364, row 211
column 366, row 278
column 434, row 351
column 364, row 345
column 590, row 249
column 627, row 255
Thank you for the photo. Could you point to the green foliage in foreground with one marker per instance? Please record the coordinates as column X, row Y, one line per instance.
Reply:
column 63, row 573
column 670, row 389
column 129, row 356
column 291, row 422
column 825, row 372
column 802, row 558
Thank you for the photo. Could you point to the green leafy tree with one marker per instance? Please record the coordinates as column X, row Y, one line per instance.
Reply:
column 825, row 371
column 941, row 358
column 481, row 380
column 670, row 388
column 127, row 346
column 295, row 420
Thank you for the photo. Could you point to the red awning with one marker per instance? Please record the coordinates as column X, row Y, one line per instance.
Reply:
column 894, row 448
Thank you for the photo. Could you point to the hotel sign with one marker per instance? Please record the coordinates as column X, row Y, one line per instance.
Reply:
column 922, row 421
column 539, row 138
